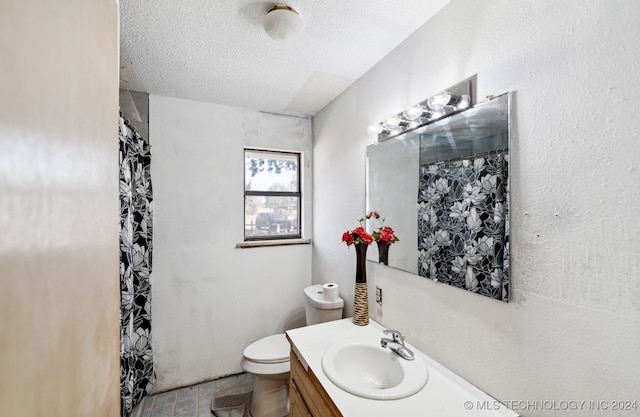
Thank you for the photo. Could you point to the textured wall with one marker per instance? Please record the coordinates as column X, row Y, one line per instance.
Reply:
column 572, row 330
column 210, row 300
column 59, row 296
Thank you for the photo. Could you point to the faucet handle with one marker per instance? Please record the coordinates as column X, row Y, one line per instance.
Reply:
column 395, row 334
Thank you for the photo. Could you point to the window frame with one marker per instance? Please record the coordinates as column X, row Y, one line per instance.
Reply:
column 296, row 194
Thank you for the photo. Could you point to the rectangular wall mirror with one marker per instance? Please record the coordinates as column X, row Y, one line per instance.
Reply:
column 444, row 189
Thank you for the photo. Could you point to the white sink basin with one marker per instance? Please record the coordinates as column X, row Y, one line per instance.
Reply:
column 363, row 368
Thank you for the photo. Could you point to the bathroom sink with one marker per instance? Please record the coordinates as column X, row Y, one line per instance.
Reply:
column 363, row 368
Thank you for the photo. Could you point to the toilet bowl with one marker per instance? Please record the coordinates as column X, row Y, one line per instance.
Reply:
column 268, row 358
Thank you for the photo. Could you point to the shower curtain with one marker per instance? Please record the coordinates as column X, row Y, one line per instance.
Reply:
column 137, row 374
column 463, row 224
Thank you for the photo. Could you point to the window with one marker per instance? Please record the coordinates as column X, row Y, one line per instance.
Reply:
column 271, row 195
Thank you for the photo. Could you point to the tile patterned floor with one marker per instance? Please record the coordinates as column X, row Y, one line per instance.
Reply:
column 195, row 401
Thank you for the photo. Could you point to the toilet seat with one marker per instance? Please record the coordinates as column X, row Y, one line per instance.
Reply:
column 270, row 349
column 268, row 357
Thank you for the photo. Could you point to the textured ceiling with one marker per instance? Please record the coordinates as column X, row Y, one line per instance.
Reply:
column 217, row 51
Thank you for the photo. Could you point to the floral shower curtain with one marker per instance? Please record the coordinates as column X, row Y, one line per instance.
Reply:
column 137, row 374
column 463, row 224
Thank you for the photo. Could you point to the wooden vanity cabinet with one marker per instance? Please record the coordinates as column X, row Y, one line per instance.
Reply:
column 307, row 396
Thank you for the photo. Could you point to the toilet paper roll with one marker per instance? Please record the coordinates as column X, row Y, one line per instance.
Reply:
column 330, row 291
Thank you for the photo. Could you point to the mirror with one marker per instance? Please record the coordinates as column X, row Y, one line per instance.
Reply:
column 443, row 188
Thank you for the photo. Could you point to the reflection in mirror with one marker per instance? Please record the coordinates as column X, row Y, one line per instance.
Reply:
column 444, row 189
column 393, row 175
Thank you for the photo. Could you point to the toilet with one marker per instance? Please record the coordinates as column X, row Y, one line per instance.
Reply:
column 268, row 358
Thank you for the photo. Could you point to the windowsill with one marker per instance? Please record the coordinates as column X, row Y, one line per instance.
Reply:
column 267, row 243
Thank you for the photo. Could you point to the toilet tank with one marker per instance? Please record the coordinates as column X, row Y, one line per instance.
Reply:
column 318, row 309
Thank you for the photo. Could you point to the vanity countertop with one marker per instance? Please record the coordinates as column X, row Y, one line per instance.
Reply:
column 445, row 395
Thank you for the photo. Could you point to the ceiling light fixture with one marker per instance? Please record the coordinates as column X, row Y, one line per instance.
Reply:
column 282, row 23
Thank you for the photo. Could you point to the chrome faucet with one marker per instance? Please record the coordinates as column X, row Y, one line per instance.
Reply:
column 396, row 344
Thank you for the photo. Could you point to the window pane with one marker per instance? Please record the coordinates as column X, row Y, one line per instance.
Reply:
column 266, row 171
column 271, row 216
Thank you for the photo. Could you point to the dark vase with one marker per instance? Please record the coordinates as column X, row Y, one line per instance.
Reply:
column 361, row 298
column 383, row 253
column 361, row 258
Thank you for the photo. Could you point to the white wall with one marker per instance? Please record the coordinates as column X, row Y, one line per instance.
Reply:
column 59, row 286
column 572, row 329
column 210, row 300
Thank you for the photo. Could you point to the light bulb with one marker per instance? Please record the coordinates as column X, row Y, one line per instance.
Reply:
column 392, row 122
column 374, row 129
column 413, row 112
column 439, row 100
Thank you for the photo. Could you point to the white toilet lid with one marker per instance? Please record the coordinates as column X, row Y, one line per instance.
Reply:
column 270, row 349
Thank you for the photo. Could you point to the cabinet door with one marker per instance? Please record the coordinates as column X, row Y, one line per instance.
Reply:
column 298, row 407
column 310, row 390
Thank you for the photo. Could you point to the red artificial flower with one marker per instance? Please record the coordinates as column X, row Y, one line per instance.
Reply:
column 361, row 234
column 357, row 235
column 348, row 238
column 384, row 234
column 387, row 235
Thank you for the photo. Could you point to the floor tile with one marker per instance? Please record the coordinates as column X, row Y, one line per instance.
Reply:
column 191, row 414
column 246, row 388
column 246, row 378
column 164, row 398
column 204, row 401
column 148, row 402
column 189, row 392
column 205, row 412
column 229, row 381
column 207, row 387
column 185, row 406
column 227, row 391
column 162, row 411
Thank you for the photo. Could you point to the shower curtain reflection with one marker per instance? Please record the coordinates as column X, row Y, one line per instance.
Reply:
column 137, row 374
column 463, row 224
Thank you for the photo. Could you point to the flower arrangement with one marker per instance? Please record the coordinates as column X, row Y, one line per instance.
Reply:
column 357, row 235
column 383, row 234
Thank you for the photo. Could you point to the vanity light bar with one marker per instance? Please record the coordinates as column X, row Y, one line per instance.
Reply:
column 439, row 106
